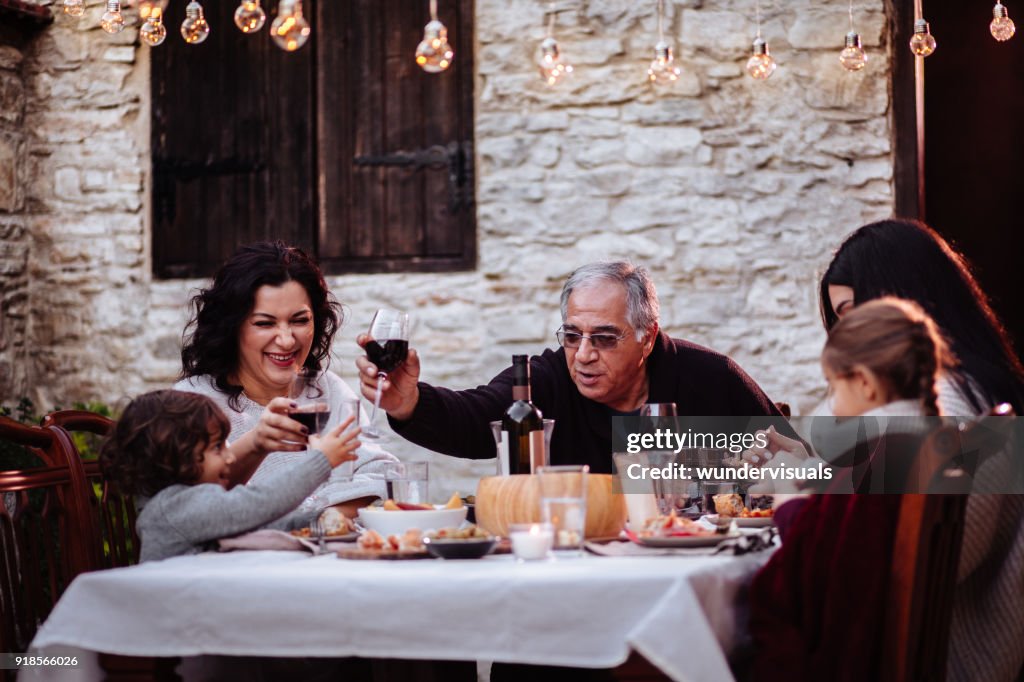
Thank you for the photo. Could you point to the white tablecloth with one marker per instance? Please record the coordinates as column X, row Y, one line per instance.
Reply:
column 678, row 611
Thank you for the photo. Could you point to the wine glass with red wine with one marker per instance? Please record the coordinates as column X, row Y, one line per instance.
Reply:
column 387, row 348
column 312, row 409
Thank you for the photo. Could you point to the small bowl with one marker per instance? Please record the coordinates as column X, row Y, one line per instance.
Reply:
column 460, row 549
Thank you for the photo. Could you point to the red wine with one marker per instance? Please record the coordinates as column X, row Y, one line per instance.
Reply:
column 313, row 417
column 523, row 423
column 387, row 354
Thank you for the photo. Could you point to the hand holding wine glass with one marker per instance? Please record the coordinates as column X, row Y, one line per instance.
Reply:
column 387, row 346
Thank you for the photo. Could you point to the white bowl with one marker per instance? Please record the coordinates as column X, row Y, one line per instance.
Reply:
column 397, row 522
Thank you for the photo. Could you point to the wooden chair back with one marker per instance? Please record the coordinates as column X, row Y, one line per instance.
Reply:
column 45, row 532
column 926, row 552
column 115, row 540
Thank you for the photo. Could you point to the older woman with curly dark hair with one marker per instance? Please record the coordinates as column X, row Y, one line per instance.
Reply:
column 268, row 315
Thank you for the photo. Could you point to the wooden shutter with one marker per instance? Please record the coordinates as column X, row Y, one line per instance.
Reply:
column 232, row 144
column 377, row 110
column 250, row 142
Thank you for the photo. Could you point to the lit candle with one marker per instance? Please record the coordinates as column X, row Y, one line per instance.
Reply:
column 531, row 541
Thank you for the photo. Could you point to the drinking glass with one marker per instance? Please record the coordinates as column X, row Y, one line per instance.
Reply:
column 563, row 501
column 409, row 483
column 658, row 410
column 312, row 411
column 387, row 348
column 349, row 408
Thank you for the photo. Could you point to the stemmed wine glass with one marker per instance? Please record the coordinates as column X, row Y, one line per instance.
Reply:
column 387, row 348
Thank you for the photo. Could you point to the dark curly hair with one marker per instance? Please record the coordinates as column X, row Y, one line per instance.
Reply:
column 159, row 441
column 909, row 260
column 219, row 311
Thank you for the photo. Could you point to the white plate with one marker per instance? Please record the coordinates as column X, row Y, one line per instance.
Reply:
column 397, row 522
column 755, row 522
column 683, row 540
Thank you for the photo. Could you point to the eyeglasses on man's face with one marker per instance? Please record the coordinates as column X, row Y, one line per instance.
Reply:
column 570, row 339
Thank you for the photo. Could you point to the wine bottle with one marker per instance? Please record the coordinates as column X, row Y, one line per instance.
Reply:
column 522, row 423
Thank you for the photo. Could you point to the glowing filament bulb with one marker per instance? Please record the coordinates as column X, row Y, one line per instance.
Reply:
column 112, row 20
column 552, row 70
column 853, row 57
column 153, row 32
column 434, row 54
column 250, row 17
column 922, row 43
column 290, row 30
column 662, row 70
column 194, row 29
column 1002, row 27
column 760, row 66
column 74, row 8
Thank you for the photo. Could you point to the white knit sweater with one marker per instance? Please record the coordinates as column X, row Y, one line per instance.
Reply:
column 370, row 468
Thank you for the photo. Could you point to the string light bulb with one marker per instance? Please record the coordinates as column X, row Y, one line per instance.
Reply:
column 662, row 70
column 249, row 16
column 153, row 32
column 761, row 65
column 290, row 30
column 853, row 57
column 74, row 8
column 549, row 57
column 1002, row 27
column 194, row 29
column 112, row 20
column 434, row 54
column 922, row 43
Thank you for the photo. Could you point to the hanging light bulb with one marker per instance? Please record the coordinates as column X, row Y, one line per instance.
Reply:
column 194, row 29
column 250, row 17
column 434, row 53
column 662, row 70
column 153, row 32
column 549, row 57
column 853, row 57
column 112, row 20
column 1002, row 27
column 290, row 30
column 922, row 43
column 760, row 66
column 552, row 70
column 74, row 8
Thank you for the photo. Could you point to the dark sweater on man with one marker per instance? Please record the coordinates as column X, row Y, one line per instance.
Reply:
column 698, row 380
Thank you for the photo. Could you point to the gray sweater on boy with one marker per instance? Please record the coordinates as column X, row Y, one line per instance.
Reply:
column 188, row 519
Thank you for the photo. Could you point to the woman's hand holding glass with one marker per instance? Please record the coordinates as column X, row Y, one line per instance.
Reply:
column 276, row 431
column 338, row 444
column 793, row 449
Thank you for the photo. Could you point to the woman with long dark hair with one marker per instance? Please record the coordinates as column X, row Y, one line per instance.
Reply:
column 909, row 260
column 268, row 315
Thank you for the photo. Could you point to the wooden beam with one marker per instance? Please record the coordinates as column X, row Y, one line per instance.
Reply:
column 25, row 12
column 907, row 90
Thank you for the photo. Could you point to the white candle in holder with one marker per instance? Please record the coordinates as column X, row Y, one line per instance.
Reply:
column 531, row 541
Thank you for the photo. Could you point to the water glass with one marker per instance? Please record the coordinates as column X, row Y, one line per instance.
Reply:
column 348, row 408
column 640, row 501
column 563, row 502
column 409, row 483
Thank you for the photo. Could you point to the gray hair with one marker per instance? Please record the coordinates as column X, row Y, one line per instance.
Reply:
column 641, row 297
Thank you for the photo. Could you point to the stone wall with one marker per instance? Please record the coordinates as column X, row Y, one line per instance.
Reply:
column 733, row 192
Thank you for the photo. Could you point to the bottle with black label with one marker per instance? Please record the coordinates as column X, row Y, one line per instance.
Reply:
column 522, row 425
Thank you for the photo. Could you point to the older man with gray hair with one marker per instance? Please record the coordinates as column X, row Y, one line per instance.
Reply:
column 613, row 359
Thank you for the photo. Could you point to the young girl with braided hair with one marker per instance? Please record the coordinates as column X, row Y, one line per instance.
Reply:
column 885, row 357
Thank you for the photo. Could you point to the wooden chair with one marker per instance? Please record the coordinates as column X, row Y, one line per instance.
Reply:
column 45, row 532
column 115, row 540
column 926, row 552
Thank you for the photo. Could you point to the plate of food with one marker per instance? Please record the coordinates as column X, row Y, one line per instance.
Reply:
column 731, row 505
column 394, row 518
column 373, row 545
column 470, row 542
column 676, row 531
column 336, row 528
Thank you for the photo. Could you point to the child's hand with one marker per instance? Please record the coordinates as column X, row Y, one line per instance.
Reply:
column 337, row 444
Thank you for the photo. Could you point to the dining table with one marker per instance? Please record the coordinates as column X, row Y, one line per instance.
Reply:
column 680, row 609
